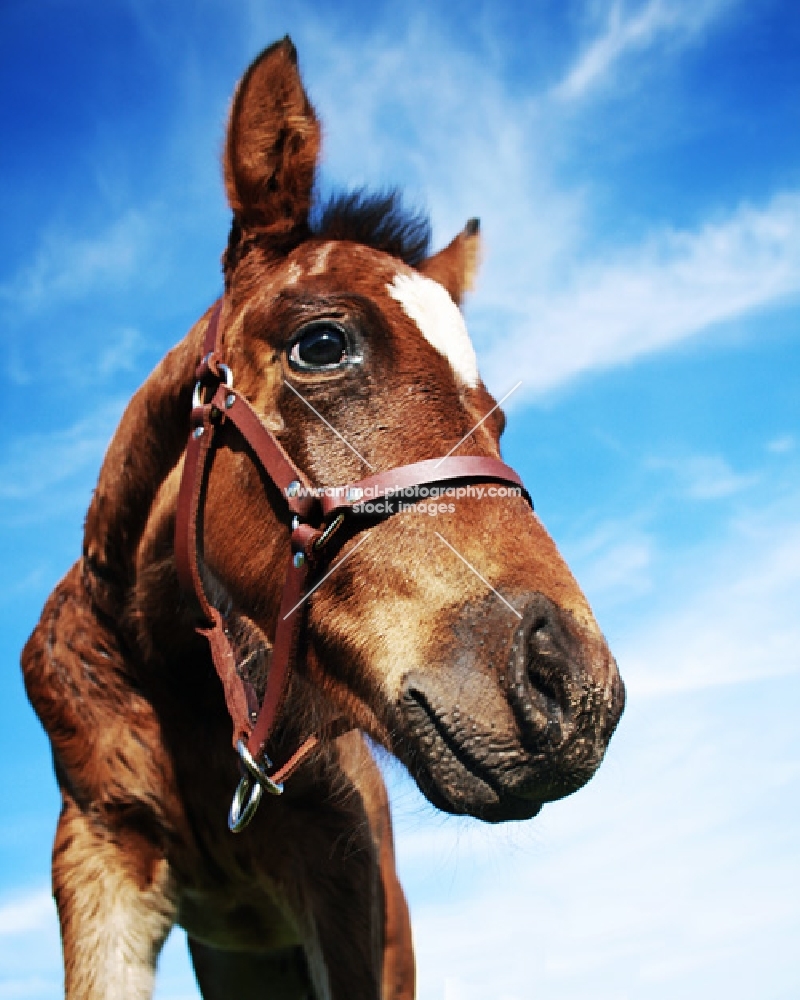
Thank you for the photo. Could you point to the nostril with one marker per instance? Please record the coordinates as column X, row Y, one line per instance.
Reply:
column 562, row 688
column 542, row 683
column 539, row 624
column 545, row 660
column 544, row 636
column 544, row 669
column 540, row 667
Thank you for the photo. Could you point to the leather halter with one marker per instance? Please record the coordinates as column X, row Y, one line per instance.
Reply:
column 318, row 517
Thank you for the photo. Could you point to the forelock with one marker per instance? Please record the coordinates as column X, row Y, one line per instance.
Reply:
column 378, row 220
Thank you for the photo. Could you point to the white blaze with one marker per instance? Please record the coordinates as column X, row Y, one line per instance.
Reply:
column 439, row 320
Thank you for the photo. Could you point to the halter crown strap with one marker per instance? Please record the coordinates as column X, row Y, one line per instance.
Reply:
column 317, row 514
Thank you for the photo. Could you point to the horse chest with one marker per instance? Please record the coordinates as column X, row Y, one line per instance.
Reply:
column 235, row 919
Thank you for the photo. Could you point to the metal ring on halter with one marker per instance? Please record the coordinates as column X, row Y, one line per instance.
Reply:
column 245, row 802
column 197, row 397
column 248, row 792
column 256, row 771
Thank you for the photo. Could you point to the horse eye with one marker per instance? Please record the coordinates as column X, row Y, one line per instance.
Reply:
column 323, row 345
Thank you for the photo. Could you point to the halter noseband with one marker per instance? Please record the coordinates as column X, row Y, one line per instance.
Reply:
column 318, row 516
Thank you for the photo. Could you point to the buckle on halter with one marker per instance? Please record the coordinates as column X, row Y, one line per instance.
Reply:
column 253, row 783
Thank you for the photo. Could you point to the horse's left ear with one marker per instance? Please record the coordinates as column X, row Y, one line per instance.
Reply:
column 455, row 266
column 271, row 147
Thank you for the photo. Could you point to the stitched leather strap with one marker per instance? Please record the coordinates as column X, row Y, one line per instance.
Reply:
column 268, row 450
column 186, row 528
column 427, row 473
column 286, row 633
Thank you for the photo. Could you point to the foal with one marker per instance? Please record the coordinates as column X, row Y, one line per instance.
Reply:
column 337, row 352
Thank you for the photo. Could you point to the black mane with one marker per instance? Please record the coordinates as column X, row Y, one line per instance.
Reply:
column 374, row 219
column 378, row 220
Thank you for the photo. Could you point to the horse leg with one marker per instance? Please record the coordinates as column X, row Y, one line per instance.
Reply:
column 246, row 975
column 116, row 905
column 399, row 974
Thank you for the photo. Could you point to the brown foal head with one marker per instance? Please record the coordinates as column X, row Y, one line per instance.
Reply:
column 455, row 635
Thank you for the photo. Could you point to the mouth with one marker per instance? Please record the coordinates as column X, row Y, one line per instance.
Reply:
column 459, row 772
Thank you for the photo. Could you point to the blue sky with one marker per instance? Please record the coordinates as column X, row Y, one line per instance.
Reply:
column 636, row 167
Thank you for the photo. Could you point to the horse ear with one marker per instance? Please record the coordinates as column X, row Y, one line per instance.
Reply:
column 272, row 146
column 455, row 267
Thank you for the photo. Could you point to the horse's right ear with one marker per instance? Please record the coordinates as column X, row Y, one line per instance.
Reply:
column 271, row 147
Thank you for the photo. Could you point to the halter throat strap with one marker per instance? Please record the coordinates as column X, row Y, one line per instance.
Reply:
column 317, row 517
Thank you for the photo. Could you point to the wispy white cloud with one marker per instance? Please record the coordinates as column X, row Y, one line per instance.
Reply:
column 42, row 472
column 67, row 266
column 120, row 352
column 733, row 620
column 31, row 912
column 704, row 477
column 30, row 956
column 437, row 120
column 544, row 310
column 440, row 120
column 630, row 31
column 781, row 445
column 648, row 297
column 547, row 309
column 615, row 562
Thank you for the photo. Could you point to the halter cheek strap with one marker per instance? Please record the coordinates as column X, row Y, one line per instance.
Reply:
column 317, row 516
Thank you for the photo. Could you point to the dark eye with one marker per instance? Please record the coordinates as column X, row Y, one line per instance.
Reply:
column 320, row 345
